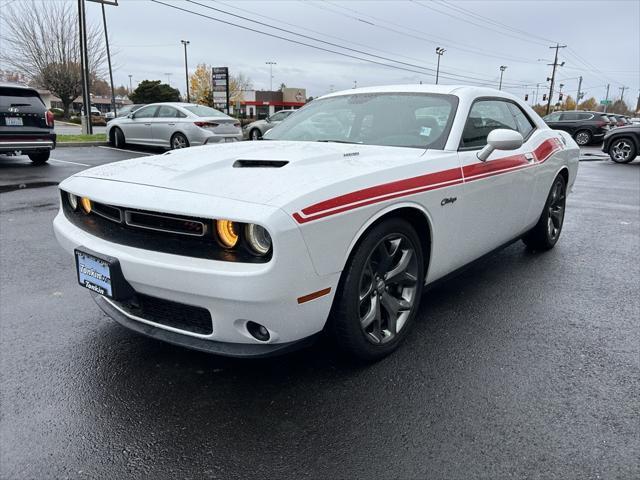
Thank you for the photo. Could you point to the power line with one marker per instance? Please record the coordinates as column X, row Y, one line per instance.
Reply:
column 297, row 41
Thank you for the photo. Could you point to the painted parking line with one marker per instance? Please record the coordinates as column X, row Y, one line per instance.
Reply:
column 125, row 150
column 67, row 161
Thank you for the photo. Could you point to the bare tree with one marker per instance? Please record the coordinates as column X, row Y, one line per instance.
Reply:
column 41, row 41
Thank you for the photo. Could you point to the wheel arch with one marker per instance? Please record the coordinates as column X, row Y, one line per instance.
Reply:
column 413, row 213
column 634, row 139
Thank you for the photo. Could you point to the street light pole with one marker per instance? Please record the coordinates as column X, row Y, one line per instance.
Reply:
column 439, row 51
column 271, row 64
column 502, row 69
column 130, row 85
column 106, row 38
column 168, row 78
column 186, row 68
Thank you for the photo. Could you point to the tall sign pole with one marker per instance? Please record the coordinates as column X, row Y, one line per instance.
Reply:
column 578, row 96
column 84, row 65
column 553, row 75
column 606, row 100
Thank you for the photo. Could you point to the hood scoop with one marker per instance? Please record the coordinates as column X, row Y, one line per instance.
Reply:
column 259, row 163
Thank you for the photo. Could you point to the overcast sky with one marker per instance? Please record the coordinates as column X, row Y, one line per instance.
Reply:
column 602, row 38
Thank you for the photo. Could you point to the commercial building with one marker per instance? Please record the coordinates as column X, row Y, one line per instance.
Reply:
column 261, row 103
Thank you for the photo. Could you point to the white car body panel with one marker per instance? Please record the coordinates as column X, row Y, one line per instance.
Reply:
column 316, row 208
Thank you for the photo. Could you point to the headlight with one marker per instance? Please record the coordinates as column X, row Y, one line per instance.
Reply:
column 73, row 201
column 227, row 233
column 86, row 205
column 258, row 239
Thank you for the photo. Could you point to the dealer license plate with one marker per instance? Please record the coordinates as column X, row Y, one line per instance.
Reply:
column 13, row 121
column 94, row 273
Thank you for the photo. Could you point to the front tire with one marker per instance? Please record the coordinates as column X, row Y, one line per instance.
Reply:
column 117, row 138
column 178, row 140
column 254, row 134
column 583, row 137
column 622, row 150
column 379, row 292
column 39, row 158
column 547, row 231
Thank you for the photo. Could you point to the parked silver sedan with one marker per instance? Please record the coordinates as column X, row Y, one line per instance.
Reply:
column 173, row 125
column 255, row 130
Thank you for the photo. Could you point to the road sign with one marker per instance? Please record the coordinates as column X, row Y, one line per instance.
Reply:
column 605, row 102
column 220, row 83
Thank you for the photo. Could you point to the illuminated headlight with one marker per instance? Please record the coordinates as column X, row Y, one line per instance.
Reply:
column 258, row 239
column 227, row 233
column 86, row 205
column 73, row 201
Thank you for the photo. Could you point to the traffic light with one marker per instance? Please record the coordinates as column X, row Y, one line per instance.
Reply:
column 544, row 97
column 560, row 97
column 526, row 97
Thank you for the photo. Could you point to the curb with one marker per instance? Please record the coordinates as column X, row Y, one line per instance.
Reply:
column 81, row 144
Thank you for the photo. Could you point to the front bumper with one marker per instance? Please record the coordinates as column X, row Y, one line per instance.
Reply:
column 233, row 293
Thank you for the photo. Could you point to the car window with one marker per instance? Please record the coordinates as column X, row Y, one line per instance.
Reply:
column 146, row 112
column 569, row 116
column 203, row 111
column 165, row 111
column 554, row 117
column 585, row 116
column 415, row 120
column 277, row 117
column 484, row 117
column 524, row 123
column 19, row 97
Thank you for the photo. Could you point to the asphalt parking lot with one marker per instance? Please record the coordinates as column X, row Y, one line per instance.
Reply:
column 525, row 366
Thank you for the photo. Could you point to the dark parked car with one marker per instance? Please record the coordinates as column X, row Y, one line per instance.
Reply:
column 584, row 127
column 26, row 126
column 623, row 143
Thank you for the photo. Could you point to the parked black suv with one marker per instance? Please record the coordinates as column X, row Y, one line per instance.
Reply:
column 584, row 127
column 26, row 126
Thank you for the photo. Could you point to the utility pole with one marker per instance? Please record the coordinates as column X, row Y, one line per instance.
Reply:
column 439, row 51
column 84, row 62
column 106, row 39
column 553, row 75
column 622, row 89
column 186, row 68
column 502, row 69
column 130, row 85
column 271, row 64
column 638, row 104
column 606, row 99
column 578, row 96
column 168, row 74
column 537, row 90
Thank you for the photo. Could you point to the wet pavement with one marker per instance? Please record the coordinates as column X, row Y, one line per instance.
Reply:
column 525, row 366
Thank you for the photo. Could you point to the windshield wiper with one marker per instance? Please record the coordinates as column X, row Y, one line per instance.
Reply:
column 337, row 141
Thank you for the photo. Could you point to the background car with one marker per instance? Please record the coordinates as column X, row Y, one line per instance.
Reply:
column 123, row 111
column 623, row 143
column 584, row 127
column 26, row 126
column 174, row 125
column 257, row 129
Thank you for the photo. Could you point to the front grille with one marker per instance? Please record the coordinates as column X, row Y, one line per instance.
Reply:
column 158, row 231
column 169, row 313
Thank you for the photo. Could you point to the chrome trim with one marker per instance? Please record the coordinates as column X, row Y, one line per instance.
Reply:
column 127, row 221
column 26, row 144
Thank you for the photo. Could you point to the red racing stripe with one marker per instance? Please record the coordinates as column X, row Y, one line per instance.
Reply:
column 422, row 183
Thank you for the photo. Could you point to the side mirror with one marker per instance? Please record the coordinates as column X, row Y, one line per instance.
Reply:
column 500, row 139
column 130, row 115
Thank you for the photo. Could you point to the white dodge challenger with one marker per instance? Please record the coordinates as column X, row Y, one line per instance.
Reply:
column 336, row 222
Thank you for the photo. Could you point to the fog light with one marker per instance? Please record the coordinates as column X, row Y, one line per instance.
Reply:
column 258, row 331
column 86, row 204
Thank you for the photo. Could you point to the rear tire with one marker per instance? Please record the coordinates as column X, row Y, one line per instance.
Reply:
column 379, row 292
column 622, row 150
column 583, row 137
column 178, row 140
column 547, row 231
column 39, row 158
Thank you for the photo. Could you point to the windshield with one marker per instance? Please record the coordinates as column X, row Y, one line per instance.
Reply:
column 418, row 120
column 202, row 111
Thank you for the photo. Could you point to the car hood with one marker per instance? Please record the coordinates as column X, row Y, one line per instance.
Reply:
column 625, row 128
column 237, row 171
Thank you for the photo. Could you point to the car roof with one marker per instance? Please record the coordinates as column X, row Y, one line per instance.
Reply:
column 16, row 85
column 462, row 91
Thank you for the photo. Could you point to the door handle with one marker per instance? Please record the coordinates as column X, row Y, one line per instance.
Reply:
column 147, row 124
column 171, row 124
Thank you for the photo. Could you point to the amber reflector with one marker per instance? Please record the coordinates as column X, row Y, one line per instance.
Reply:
column 227, row 233
column 314, row 295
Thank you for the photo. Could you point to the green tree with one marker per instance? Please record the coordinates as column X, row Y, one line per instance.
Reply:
column 151, row 91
